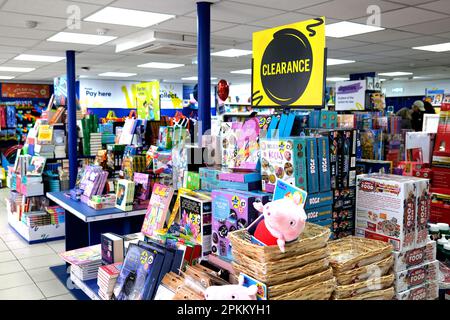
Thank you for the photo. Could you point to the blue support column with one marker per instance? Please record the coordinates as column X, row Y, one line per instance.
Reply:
column 72, row 118
column 204, row 66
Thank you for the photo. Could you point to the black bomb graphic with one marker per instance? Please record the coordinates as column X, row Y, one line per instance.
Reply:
column 286, row 66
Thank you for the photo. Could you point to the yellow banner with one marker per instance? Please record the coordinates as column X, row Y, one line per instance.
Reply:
column 288, row 65
column 148, row 101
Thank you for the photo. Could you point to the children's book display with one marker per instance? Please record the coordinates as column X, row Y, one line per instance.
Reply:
column 157, row 209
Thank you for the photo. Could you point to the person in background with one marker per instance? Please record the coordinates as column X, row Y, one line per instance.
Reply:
column 405, row 114
column 428, row 107
column 418, row 110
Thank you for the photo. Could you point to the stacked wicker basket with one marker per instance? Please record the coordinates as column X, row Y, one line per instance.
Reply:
column 362, row 269
column 302, row 272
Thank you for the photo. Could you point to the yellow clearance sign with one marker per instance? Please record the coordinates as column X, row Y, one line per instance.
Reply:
column 288, row 65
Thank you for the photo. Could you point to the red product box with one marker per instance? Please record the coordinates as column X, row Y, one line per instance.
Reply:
column 409, row 167
column 440, row 213
column 441, row 177
column 423, row 173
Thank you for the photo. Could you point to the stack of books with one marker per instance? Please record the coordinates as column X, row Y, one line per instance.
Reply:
column 56, row 214
column 95, row 143
column 45, row 150
column 34, row 219
column 107, row 277
column 93, row 182
column 84, row 262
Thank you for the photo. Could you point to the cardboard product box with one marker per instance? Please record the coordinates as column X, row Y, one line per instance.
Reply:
column 243, row 186
column 393, row 208
column 426, row 291
column 414, row 257
column 341, row 215
column 341, row 234
column 344, row 198
column 209, row 185
column 321, row 213
column 323, row 222
column 240, row 176
column 416, row 276
column 373, row 166
column 316, row 200
column 441, row 177
column 209, row 173
column 323, row 154
column 230, row 211
column 341, row 226
column 284, row 159
column 196, row 220
column 312, row 164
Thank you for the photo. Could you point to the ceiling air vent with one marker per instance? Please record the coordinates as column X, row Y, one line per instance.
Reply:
column 174, row 49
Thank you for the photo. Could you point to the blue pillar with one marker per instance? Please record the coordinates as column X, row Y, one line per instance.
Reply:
column 72, row 118
column 204, row 65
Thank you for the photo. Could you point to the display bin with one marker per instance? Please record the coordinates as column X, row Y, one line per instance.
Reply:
column 359, row 288
column 385, row 294
column 379, row 268
column 317, row 291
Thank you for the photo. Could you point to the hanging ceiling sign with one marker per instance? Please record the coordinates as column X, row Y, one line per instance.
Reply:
column 288, row 65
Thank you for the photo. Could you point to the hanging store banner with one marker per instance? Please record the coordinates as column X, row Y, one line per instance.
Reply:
column 350, row 95
column 148, row 101
column 288, row 65
column 25, row 91
column 107, row 94
column 171, row 95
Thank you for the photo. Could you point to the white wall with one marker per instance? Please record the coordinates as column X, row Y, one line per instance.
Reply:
column 414, row 87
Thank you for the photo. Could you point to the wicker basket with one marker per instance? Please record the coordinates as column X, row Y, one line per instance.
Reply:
column 385, row 294
column 379, row 268
column 271, row 279
column 317, row 291
column 352, row 252
column 281, row 289
column 283, row 264
column 313, row 237
column 359, row 288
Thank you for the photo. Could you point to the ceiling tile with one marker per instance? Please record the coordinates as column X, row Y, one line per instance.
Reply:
column 48, row 8
column 400, row 53
column 372, row 48
column 112, row 30
column 177, row 7
column 406, row 16
column 287, row 5
column 415, row 42
column 439, row 6
column 239, row 32
column 18, row 42
column 348, row 9
column 239, row 13
column 337, row 54
column 342, row 43
column 411, row 2
column 189, row 25
column 99, row 2
column 383, row 35
column 44, row 23
column 60, row 46
column 387, row 60
column 8, row 49
column 430, row 27
column 25, row 33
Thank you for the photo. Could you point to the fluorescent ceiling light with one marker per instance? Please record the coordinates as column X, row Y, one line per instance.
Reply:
column 128, row 17
column 80, row 38
column 382, row 79
column 16, row 69
column 39, row 58
column 117, row 74
column 161, row 65
column 6, row 77
column 346, row 29
column 333, row 62
column 243, row 71
column 440, row 47
column 194, row 78
column 420, row 77
column 232, row 53
column 395, row 74
column 334, row 79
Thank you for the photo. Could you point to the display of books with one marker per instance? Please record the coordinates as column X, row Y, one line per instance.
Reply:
column 125, row 195
column 36, row 166
column 157, row 209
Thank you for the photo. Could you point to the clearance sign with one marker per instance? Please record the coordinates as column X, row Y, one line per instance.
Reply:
column 288, row 65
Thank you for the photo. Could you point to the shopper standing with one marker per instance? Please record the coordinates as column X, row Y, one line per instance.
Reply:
column 418, row 110
column 405, row 114
column 429, row 107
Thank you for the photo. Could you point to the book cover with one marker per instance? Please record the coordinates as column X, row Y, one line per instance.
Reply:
column 45, row 134
column 83, row 256
column 157, row 209
column 124, row 200
column 142, row 186
column 139, row 274
column 112, row 248
column 36, row 166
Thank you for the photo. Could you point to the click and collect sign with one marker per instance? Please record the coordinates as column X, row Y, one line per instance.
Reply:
column 288, row 65
column 350, row 95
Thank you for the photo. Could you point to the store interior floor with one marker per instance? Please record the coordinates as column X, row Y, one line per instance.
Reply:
column 24, row 268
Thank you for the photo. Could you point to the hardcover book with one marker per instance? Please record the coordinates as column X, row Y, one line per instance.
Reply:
column 112, row 248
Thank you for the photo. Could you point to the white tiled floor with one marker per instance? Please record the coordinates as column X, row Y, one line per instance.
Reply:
column 24, row 268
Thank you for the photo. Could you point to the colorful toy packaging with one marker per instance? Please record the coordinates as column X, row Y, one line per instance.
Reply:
column 418, row 275
column 394, row 209
column 231, row 210
column 411, row 258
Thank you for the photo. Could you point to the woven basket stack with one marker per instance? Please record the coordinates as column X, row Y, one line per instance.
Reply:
column 303, row 272
column 362, row 268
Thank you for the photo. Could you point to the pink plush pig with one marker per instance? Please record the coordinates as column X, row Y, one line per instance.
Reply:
column 284, row 219
column 231, row 292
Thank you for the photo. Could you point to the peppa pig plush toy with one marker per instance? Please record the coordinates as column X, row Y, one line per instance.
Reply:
column 284, row 220
column 231, row 292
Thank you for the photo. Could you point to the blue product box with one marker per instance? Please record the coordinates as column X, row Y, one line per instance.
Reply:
column 314, row 119
column 240, row 185
column 316, row 200
column 209, row 185
column 209, row 173
column 318, row 214
column 289, row 125
column 282, row 126
column 272, row 127
column 323, row 152
column 312, row 165
column 240, row 176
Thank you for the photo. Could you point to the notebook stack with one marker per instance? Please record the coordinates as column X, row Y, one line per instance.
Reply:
column 107, row 277
column 95, row 143
column 84, row 262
